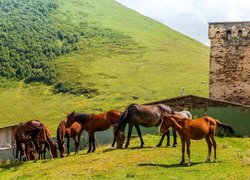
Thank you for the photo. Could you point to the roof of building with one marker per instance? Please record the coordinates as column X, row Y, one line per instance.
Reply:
column 232, row 22
column 195, row 102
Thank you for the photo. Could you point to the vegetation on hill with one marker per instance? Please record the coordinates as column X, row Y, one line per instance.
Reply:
column 233, row 162
column 118, row 54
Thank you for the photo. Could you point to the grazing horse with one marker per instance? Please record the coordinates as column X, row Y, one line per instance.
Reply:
column 74, row 131
column 93, row 123
column 184, row 114
column 44, row 140
column 204, row 127
column 144, row 115
column 24, row 133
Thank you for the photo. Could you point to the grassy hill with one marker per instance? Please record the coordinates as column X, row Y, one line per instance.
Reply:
column 141, row 163
column 119, row 54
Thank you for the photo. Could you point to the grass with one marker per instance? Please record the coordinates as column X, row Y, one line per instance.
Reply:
column 141, row 163
column 125, row 54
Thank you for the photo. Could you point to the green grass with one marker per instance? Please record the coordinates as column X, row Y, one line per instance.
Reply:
column 141, row 163
column 123, row 54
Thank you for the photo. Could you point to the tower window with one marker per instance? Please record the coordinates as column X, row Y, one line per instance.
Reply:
column 217, row 35
column 229, row 34
column 240, row 33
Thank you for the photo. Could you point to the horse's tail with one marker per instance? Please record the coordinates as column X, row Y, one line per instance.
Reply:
column 226, row 127
column 60, row 133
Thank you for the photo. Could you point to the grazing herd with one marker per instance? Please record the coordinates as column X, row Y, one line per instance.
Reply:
column 33, row 137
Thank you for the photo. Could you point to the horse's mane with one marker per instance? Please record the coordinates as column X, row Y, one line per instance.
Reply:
column 82, row 117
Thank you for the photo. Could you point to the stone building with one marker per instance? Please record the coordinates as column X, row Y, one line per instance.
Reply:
column 230, row 61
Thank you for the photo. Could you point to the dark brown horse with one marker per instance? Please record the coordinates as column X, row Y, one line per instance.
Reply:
column 144, row 115
column 204, row 127
column 74, row 131
column 24, row 133
column 93, row 123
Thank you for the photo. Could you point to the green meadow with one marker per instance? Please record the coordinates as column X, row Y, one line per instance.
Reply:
column 141, row 163
column 120, row 54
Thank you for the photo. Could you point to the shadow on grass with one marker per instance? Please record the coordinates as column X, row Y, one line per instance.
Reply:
column 131, row 148
column 169, row 165
column 8, row 166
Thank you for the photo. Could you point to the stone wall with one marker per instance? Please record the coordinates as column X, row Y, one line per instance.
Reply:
column 230, row 62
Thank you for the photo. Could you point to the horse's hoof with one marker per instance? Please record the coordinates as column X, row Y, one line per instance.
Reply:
column 207, row 161
column 189, row 164
column 182, row 163
column 158, row 145
column 88, row 151
column 175, row 145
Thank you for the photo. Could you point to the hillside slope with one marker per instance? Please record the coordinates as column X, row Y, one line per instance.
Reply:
column 120, row 54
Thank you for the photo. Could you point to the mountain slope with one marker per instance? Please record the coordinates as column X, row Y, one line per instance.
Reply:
column 120, row 54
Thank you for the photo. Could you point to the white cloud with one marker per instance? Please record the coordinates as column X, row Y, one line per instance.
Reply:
column 191, row 17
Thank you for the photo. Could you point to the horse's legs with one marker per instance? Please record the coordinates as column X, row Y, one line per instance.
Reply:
column 76, row 144
column 17, row 150
column 93, row 142
column 78, row 141
column 162, row 138
column 113, row 144
column 188, row 151
column 90, row 141
column 175, row 138
column 139, row 133
column 68, row 142
column 49, row 149
column 215, row 146
column 130, row 127
column 209, row 144
column 183, row 151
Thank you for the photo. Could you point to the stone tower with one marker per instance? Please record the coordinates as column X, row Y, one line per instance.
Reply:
column 229, row 78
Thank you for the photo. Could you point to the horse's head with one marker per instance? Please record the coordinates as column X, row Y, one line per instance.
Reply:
column 166, row 122
column 120, row 137
column 70, row 119
column 61, row 147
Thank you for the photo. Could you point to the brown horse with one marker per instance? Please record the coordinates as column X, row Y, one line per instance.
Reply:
column 44, row 140
column 204, row 127
column 24, row 133
column 93, row 123
column 74, row 131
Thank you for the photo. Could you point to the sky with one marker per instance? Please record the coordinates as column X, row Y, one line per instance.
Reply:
column 191, row 17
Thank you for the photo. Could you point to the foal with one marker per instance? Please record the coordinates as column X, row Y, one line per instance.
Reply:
column 204, row 127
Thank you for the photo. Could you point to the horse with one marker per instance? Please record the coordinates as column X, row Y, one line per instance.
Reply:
column 45, row 142
column 74, row 131
column 144, row 115
column 24, row 133
column 93, row 123
column 204, row 127
column 184, row 114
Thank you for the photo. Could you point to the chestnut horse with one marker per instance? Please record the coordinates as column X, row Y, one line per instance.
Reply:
column 24, row 133
column 144, row 115
column 74, row 131
column 93, row 123
column 204, row 127
column 44, row 141
column 184, row 114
